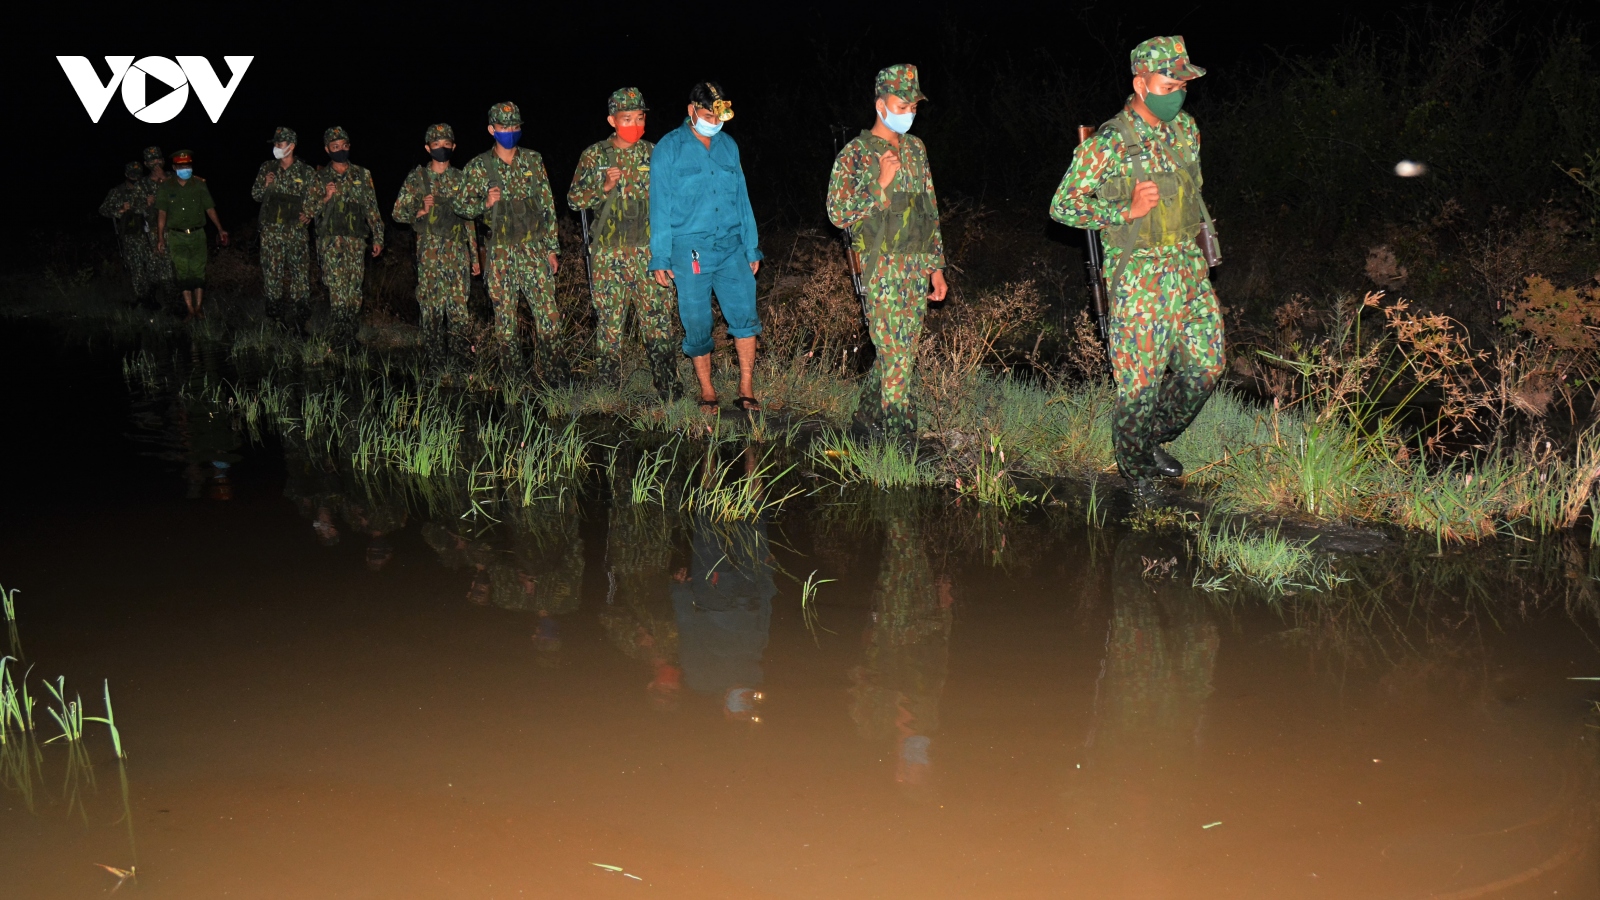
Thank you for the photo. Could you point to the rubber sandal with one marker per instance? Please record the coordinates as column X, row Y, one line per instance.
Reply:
column 747, row 404
column 709, row 407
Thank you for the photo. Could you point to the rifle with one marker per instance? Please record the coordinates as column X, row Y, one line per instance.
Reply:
column 1100, row 298
column 588, row 251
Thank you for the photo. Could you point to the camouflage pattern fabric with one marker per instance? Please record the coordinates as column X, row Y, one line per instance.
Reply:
column 901, row 81
column 334, row 134
column 522, row 234
column 158, row 265
column 153, row 155
column 1166, row 327
column 624, row 99
column 285, row 246
column 282, row 135
column 897, row 257
column 620, row 239
column 444, row 257
column 506, row 115
column 127, row 206
column 1167, row 56
column 439, row 132
column 353, row 209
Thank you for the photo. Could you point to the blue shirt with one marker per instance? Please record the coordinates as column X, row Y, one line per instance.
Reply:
column 698, row 203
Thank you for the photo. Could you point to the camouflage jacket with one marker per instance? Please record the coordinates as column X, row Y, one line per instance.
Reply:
column 1164, row 148
column 353, row 205
column 903, row 218
column 442, row 220
column 622, row 216
column 526, row 211
column 282, row 201
column 132, row 221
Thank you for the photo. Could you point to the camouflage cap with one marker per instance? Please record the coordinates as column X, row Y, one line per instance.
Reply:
column 439, row 132
column 154, row 155
column 133, row 170
column 900, row 81
column 282, row 135
column 505, row 115
column 183, row 158
column 623, row 99
column 1167, row 56
column 334, row 134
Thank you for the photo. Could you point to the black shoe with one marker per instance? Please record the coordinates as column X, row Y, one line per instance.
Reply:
column 1166, row 464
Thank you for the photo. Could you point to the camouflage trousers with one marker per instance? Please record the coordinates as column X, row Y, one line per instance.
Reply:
column 158, row 265
column 1166, row 352
column 136, row 253
column 520, row 273
column 897, row 299
column 444, row 281
column 344, row 267
column 622, row 282
column 285, row 257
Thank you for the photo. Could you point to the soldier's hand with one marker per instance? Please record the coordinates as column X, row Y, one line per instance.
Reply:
column 555, row 262
column 936, row 281
column 888, row 167
column 161, row 243
column 427, row 204
column 150, row 200
column 305, row 218
column 271, row 176
column 1145, row 197
column 124, row 207
column 477, row 269
column 376, row 249
column 222, row 237
column 613, row 175
column 328, row 194
column 494, row 196
column 664, row 277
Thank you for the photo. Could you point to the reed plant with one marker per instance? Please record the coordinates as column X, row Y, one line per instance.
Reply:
column 110, row 721
column 808, row 603
column 881, row 463
column 652, row 473
column 988, row 479
column 16, row 706
column 68, row 713
column 722, row 494
column 8, row 603
column 1265, row 559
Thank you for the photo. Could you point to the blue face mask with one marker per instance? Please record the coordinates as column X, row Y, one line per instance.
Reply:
column 899, row 123
column 183, row 174
column 706, row 129
column 508, row 139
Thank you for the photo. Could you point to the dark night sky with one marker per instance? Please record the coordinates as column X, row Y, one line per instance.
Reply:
column 386, row 74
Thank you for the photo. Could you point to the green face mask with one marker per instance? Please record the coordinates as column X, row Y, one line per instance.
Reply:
column 1165, row 106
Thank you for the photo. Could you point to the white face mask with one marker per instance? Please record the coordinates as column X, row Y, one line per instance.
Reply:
column 706, row 129
column 279, row 152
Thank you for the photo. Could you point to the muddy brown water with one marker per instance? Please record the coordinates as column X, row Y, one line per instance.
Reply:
column 493, row 714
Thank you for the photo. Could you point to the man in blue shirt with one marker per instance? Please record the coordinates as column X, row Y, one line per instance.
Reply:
column 703, row 237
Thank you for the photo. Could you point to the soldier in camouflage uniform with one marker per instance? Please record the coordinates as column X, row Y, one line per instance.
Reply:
column 159, row 272
column 127, row 207
column 638, row 614
column 881, row 190
column 507, row 186
column 613, row 180
column 447, row 247
column 280, row 188
column 1137, row 181
column 344, row 203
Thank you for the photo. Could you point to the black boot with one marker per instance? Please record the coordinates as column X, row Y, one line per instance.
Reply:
column 1166, row 464
column 342, row 328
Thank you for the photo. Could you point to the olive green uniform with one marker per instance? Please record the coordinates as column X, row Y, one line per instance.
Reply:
column 185, row 204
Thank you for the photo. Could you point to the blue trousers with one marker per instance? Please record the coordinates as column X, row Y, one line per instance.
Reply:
column 735, row 288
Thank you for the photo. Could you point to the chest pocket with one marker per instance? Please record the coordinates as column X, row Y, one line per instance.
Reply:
column 343, row 216
column 282, row 207
column 1176, row 218
column 513, row 220
column 441, row 221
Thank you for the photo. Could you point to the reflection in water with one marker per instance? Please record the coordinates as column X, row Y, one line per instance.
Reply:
column 1145, row 737
column 723, row 605
column 638, row 614
column 532, row 561
column 312, row 484
column 895, row 691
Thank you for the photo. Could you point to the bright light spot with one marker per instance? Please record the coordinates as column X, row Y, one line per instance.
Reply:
column 1406, row 168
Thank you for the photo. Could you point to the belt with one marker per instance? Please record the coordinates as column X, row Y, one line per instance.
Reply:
column 188, row 230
